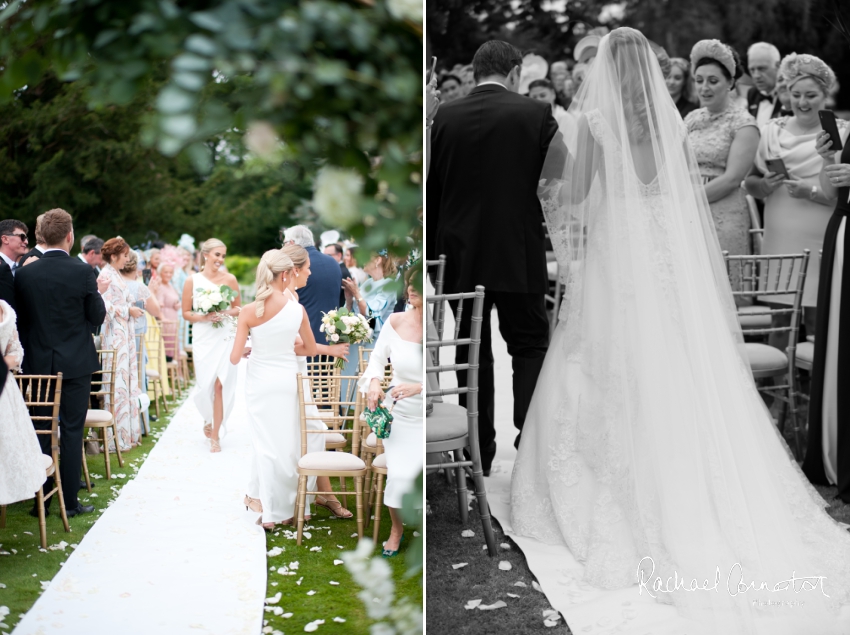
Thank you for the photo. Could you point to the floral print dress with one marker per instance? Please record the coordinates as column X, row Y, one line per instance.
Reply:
column 119, row 335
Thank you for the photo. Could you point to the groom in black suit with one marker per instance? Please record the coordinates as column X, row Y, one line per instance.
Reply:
column 487, row 154
column 58, row 303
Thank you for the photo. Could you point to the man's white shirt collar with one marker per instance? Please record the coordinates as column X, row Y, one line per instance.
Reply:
column 8, row 260
column 493, row 82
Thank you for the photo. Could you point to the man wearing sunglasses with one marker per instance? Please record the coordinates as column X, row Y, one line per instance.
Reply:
column 13, row 243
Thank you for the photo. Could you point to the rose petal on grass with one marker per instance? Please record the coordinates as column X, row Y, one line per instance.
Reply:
column 338, row 562
column 536, row 586
column 307, row 535
column 505, row 545
column 550, row 623
column 459, row 565
column 315, row 548
column 339, row 619
column 312, row 626
column 311, row 593
column 275, row 598
column 491, row 607
column 299, row 581
column 467, row 533
column 512, row 595
column 471, row 604
column 286, row 615
column 551, row 613
column 520, row 584
column 334, row 583
column 504, row 565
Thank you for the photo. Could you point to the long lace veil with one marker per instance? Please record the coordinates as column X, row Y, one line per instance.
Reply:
column 646, row 435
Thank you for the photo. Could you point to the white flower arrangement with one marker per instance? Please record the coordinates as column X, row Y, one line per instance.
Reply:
column 401, row 617
column 336, row 196
column 341, row 326
column 207, row 301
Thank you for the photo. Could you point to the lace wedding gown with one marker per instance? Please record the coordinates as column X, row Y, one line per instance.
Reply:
column 647, row 449
column 22, row 469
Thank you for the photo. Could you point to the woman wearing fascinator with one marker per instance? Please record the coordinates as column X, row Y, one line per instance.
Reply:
column 724, row 137
column 647, row 450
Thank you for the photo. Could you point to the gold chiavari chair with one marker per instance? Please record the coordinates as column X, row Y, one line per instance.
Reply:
column 330, row 464
column 156, row 350
column 369, row 447
column 44, row 392
column 377, row 476
column 763, row 277
column 170, row 339
column 103, row 419
column 327, row 388
column 186, row 361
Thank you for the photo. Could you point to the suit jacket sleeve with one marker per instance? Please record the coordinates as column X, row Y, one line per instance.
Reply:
column 94, row 305
column 7, row 285
column 434, row 193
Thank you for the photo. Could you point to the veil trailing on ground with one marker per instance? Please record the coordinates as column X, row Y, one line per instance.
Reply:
column 647, row 449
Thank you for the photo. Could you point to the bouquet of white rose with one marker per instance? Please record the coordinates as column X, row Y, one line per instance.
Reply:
column 207, row 301
column 341, row 326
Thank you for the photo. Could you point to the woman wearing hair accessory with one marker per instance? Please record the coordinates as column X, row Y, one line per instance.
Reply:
column 828, row 453
column 215, row 377
column 725, row 138
column 274, row 321
column 796, row 210
column 315, row 442
column 119, row 334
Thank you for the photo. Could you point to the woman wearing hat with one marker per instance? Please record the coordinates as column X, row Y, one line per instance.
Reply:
column 725, row 138
column 796, row 209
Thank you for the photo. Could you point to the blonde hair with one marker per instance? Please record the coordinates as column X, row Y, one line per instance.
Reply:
column 297, row 254
column 208, row 245
column 273, row 263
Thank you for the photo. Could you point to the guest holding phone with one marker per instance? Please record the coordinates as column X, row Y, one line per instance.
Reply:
column 796, row 209
column 828, row 454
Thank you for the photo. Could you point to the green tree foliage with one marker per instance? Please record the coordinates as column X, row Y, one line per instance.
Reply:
column 550, row 28
column 339, row 82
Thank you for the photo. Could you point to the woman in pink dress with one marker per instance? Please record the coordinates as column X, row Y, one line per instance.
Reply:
column 169, row 301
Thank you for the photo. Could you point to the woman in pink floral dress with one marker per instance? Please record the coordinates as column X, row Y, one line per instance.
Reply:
column 118, row 335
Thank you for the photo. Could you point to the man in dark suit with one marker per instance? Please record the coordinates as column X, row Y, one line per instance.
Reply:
column 335, row 251
column 763, row 65
column 7, row 284
column 58, row 303
column 321, row 294
column 487, row 154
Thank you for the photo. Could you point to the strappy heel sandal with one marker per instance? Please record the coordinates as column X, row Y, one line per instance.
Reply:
column 254, row 504
column 208, row 430
column 328, row 504
column 215, row 445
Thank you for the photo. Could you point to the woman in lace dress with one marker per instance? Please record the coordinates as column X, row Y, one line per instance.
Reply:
column 22, row 469
column 796, row 210
column 647, row 450
column 724, row 137
column 119, row 335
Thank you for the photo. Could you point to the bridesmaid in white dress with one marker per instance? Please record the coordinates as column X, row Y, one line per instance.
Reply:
column 215, row 376
column 271, row 390
column 315, row 442
column 401, row 342
column 22, row 469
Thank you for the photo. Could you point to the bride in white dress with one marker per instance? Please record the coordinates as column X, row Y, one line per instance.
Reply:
column 22, row 469
column 215, row 376
column 274, row 321
column 647, row 449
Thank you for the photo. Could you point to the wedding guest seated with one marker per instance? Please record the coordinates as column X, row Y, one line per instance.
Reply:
column 22, row 469
column 449, row 87
column 796, row 210
column 401, row 341
column 119, row 334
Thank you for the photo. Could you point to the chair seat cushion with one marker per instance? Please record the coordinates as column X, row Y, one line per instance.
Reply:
column 184, row 355
column 171, row 364
column 371, row 441
column 380, row 461
column 448, row 421
column 187, row 348
column 335, row 437
column 98, row 418
column 331, row 461
column 153, row 374
column 764, row 358
column 806, row 353
column 47, row 463
column 754, row 317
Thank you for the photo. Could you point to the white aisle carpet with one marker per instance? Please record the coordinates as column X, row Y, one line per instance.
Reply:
column 175, row 553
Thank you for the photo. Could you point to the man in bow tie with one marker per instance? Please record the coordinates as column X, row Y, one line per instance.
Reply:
column 763, row 65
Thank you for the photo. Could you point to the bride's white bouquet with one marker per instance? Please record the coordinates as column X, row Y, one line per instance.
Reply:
column 341, row 326
column 206, row 301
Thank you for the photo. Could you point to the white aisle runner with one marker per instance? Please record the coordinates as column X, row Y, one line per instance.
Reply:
column 175, row 553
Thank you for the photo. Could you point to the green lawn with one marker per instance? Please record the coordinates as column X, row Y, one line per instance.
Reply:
column 316, row 570
column 24, row 568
